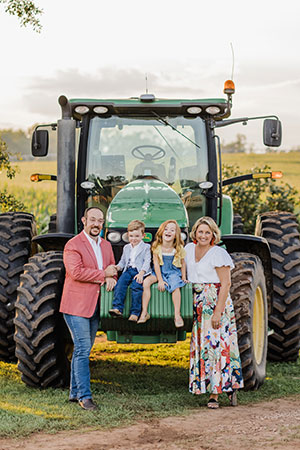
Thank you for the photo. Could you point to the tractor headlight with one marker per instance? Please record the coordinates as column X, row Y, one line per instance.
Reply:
column 82, row 109
column 100, row 109
column 125, row 237
column 114, row 237
column 194, row 110
column 212, row 110
column 183, row 236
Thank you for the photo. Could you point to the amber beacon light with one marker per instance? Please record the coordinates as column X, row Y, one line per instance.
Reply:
column 229, row 87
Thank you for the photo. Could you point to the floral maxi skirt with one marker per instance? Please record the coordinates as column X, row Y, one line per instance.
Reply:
column 215, row 364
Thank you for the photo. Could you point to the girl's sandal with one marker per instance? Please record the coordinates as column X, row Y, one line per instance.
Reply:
column 232, row 398
column 144, row 319
column 213, row 404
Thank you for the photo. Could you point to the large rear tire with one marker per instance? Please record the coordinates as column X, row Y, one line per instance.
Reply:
column 281, row 231
column 16, row 232
column 41, row 334
column 249, row 296
column 237, row 226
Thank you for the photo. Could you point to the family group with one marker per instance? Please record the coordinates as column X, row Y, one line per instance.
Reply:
column 215, row 365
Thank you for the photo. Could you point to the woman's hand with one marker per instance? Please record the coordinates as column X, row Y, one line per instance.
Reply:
column 216, row 320
column 161, row 285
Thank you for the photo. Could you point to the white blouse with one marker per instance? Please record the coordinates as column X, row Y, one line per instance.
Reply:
column 204, row 270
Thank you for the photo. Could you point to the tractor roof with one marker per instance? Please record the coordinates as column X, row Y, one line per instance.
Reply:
column 147, row 106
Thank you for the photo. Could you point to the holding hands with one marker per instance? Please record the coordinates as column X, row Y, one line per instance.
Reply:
column 110, row 271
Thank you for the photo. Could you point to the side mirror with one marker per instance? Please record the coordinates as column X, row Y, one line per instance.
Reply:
column 40, row 143
column 272, row 132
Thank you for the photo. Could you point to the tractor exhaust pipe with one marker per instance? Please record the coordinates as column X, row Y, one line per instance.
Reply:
column 66, row 128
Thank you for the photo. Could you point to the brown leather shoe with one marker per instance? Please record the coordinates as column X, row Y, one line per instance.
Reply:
column 88, row 404
column 115, row 312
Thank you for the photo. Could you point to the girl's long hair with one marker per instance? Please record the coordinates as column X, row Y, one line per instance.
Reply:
column 178, row 242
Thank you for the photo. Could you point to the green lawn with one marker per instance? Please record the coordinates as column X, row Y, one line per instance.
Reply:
column 130, row 383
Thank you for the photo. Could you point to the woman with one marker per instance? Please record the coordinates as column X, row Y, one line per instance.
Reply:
column 215, row 365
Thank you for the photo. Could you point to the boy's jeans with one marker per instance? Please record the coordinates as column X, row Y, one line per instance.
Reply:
column 136, row 292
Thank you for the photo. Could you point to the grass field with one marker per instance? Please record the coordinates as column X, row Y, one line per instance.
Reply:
column 131, row 383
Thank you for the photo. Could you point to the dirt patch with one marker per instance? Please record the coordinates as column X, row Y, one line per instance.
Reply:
column 268, row 425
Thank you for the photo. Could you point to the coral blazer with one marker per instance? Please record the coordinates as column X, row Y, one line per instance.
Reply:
column 83, row 278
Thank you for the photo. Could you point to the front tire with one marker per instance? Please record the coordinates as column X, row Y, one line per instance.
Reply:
column 41, row 334
column 249, row 296
column 281, row 231
column 16, row 232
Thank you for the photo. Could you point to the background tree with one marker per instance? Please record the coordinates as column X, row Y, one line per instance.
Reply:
column 27, row 12
column 251, row 198
column 7, row 201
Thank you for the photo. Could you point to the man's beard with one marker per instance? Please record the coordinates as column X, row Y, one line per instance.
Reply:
column 95, row 229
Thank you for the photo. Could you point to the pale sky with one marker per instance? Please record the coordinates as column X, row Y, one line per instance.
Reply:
column 103, row 49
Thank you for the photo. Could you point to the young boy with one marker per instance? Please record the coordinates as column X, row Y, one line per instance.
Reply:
column 135, row 263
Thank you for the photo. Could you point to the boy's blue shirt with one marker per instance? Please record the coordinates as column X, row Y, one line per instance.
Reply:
column 142, row 258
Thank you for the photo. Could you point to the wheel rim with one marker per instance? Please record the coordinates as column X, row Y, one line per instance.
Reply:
column 258, row 325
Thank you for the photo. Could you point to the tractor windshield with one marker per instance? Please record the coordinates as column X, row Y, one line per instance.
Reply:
column 121, row 150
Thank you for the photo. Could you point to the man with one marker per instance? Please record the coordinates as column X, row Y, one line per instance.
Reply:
column 89, row 263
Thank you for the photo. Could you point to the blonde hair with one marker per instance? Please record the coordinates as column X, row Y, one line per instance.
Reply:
column 136, row 225
column 211, row 225
column 178, row 242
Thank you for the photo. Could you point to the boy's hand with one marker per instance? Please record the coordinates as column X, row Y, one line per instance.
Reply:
column 110, row 283
column 110, row 271
column 161, row 285
column 139, row 277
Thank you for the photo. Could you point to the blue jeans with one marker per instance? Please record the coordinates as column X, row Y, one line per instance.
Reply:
column 136, row 292
column 83, row 332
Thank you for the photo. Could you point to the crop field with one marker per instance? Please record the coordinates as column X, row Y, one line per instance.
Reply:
column 40, row 198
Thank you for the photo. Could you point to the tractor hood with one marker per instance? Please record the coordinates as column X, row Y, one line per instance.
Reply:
column 149, row 200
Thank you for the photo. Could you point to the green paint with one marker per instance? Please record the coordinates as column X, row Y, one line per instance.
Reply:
column 149, row 200
column 227, row 215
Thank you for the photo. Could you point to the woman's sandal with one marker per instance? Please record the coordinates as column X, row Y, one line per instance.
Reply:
column 232, row 398
column 178, row 322
column 213, row 403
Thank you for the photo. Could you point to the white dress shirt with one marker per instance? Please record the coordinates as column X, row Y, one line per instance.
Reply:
column 133, row 253
column 97, row 249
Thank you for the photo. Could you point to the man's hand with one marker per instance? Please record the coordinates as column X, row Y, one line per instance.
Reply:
column 110, row 283
column 110, row 271
column 139, row 277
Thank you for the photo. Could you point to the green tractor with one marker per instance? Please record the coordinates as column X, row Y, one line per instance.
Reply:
column 149, row 159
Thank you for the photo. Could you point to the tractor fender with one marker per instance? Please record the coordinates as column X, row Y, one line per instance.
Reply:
column 52, row 241
column 257, row 246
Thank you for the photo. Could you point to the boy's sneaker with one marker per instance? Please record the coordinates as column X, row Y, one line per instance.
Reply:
column 115, row 312
column 133, row 318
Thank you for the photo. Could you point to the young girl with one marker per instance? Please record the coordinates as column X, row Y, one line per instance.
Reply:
column 169, row 269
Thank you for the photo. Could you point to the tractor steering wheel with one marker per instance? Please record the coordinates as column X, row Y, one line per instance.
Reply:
column 139, row 154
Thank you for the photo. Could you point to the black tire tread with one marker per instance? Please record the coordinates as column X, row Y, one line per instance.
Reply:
column 247, row 269
column 281, row 231
column 39, row 325
column 16, row 232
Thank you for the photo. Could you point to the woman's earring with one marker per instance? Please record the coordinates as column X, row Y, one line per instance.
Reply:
column 212, row 241
column 194, row 241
